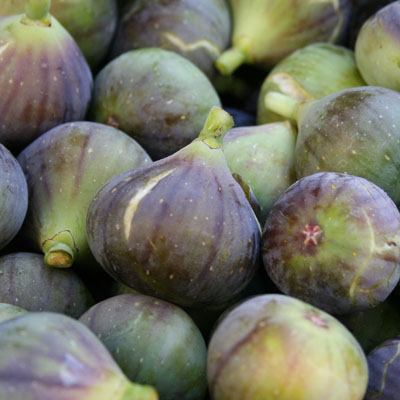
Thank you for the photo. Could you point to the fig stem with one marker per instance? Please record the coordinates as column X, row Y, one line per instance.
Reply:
column 135, row 391
column 282, row 104
column 230, row 60
column 59, row 255
column 37, row 10
column 217, row 124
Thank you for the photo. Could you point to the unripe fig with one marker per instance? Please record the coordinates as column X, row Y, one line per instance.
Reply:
column 181, row 228
column 154, row 342
column 158, row 97
column 27, row 282
column 64, row 168
column 309, row 73
column 333, row 240
column 265, row 31
column 198, row 31
column 48, row 356
column 278, row 347
column 8, row 311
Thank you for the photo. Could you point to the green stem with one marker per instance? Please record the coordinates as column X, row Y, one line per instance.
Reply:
column 135, row 391
column 217, row 124
column 37, row 10
column 59, row 255
column 230, row 60
column 282, row 104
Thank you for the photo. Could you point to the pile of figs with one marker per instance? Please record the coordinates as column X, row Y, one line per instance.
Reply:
column 199, row 200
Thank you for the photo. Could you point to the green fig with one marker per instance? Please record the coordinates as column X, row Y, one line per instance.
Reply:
column 333, row 240
column 181, row 228
column 154, row 343
column 265, row 31
column 278, row 347
column 8, row 311
column 309, row 73
column 158, row 97
column 45, row 79
column 48, row 356
column 198, row 31
column 64, row 168
column 27, row 282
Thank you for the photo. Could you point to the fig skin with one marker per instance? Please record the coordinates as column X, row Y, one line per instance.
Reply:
column 309, row 73
column 8, row 311
column 13, row 197
column 156, row 96
column 196, row 31
column 333, row 240
column 64, row 169
column 181, row 228
column 26, row 281
column 154, row 342
column 377, row 47
column 47, row 356
column 276, row 346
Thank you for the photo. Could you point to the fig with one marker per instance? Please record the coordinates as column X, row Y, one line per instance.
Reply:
column 154, row 342
column 180, row 228
column 260, row 25
column 45, row 79
column 13, row 197
column 309, row 73
column 377, row 45
column 352, row 131
column 47, row 356
column 26, row 281
column 8, row 311
column 278, row 347
column 198, row 31
column 91, row 23
column 264, row 157
column 333, row 240
column 158, row 97
column 64, row 168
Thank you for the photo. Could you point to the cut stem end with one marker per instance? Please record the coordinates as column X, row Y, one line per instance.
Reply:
column 59, row 255
column 230, row 60
column 37, row 10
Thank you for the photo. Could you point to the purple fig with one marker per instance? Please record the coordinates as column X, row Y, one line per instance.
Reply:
column 181, row 228
column 333, row 240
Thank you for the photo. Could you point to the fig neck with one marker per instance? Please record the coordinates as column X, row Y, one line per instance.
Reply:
column 37, row 13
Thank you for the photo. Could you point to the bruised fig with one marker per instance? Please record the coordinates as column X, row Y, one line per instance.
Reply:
column 181, row 228
column 197, row 30
column 158, row 97
column 64, row 168
column 278, row 347
column 352, row 131
column 48, row 356
column 265, row 31
column 333, row 240
column 8, row 311
column 45, row 79
column 309, row 73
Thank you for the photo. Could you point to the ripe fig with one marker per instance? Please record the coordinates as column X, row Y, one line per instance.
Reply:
column 333, row 240
column 265, row 31
column 45, row 79
column 27, row 282
column 48, row 356
column 353, row 131
column 264, row 158
column 8, row 311
column 64, row 168
column 309, row 73
column 278, row 347
column 13, row 196
column 198, row 31
column 158, row 97
column 377, row 47
column 181, row 228
column 154, row 342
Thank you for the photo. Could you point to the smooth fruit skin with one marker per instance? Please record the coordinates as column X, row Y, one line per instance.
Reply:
column 352, row 131
column 8, row 311
column 198, row 31
column 26, row 281
column 333, row 240
column 377, row 48
column 158, row 97
column 48, row 356
column 278, row 347
column 154, row 342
